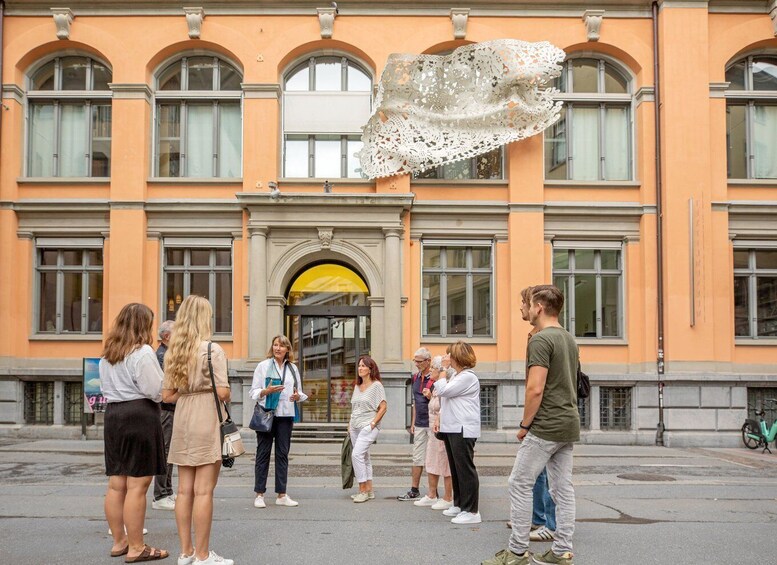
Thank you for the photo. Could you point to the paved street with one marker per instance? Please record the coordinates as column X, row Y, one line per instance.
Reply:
column 634, row 505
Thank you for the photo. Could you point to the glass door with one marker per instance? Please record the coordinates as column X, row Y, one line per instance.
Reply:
column 328, row 349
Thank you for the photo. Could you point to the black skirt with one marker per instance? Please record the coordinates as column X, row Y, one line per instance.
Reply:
column 134, row 444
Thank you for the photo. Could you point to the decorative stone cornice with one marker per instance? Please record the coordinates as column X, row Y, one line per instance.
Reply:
column 459, row 17
column 63, row 19
column 262, row 90
column 194, row 17
column 645, row 94
column 718, row 89
column 131, row 91
column 393, row 231
column 593, row 23
column 773, row 15
column 326, row 21
column 13, row 92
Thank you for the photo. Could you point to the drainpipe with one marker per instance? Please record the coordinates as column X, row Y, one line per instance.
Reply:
column 659, row 232
column 2, row 104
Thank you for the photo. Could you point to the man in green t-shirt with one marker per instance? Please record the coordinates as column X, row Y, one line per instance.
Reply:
column 550, row 425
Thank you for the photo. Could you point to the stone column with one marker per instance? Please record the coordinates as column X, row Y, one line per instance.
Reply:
column 392, row 291
column 257, row 288
column 378, row 329
column 275, row 322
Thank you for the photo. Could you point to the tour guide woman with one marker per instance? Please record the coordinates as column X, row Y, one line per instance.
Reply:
column 459, row 423
column 280, row 367
column 368, row 405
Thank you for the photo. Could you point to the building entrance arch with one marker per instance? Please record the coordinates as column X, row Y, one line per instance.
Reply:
column 328, row 322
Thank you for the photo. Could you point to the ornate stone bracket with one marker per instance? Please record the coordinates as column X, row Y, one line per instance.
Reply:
column 325, row 237
column 194, row 17
column 326, row 20
column 773, row 15
column 593, row 23
column 459, row 17
column 63, row 18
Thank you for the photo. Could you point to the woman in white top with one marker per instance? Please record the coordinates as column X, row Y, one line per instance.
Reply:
column 279, row 366
column 368, row 405
column 459, row 422
column 131, row 382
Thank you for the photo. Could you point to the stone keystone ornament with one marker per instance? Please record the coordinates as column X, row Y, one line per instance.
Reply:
column 437, row 109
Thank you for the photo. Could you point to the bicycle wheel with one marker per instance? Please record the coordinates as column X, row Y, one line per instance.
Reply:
column 749, row 442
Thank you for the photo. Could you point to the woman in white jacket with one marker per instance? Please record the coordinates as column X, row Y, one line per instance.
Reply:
column 459, row 423
column 277, row 366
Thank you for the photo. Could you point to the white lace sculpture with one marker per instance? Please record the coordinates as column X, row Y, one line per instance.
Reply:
column 433, row 109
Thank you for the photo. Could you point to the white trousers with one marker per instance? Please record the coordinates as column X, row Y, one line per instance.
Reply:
column 360, row 455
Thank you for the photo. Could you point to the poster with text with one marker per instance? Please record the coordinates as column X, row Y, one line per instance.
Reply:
column 94, row 401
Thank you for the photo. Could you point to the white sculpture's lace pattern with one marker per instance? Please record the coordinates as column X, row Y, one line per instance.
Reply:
column 433, row 109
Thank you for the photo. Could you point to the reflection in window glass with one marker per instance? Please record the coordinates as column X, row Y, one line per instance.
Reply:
column 328, row 75
column 74, row 73
column 556, row 149
column 44, row 77
column 41, row 159
column 764, row 74
column 296, row 158
column 614, row 82
column 765, row 141
column 354, row 165
column 766, row 259
column 430, row 309
column 736, row 76
column 300, row 80
column 358, row 81
column 585, row 75
column 585, row 305
column 560, row 259
column 741, row 307
column 766, row 313
column 610, row 306
column 457, row 304
column 200, row 73
column 170, row 78
column 230, row 78
column 584, row 258
column 736, row 141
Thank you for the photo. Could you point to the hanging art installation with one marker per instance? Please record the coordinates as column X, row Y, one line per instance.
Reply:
column 436, row 109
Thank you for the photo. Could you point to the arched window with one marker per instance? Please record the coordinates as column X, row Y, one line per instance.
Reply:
column 69, row 119
column 326, row 101
column 592, row 139
column 199, row 119
column 751, row 118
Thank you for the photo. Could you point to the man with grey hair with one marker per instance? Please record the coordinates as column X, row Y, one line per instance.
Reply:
column 419, row 421
column 164, row 497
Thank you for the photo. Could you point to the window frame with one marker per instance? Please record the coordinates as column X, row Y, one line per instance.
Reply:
column 439, row 170
column 603, row 101
column 569, row 322
column 346, row 61
column 628, row 413
column 60, row 269
column 749, row 98
column 752, row 272
column 31, row 392
column 469, row 271
column 311, row 139
column 57, row 97
column 212, row 245
column 185, row 98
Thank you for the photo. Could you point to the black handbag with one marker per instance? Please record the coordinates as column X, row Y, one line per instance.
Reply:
column 262, row 419
column 231, row 442
column 583, row 383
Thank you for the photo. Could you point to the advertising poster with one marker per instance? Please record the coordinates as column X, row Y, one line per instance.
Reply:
column 93, row 397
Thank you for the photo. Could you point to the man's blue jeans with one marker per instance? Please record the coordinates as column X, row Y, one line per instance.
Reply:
column 543, row 508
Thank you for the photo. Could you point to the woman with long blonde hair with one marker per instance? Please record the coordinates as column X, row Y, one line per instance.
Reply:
column 131, row 381
column 196, row 443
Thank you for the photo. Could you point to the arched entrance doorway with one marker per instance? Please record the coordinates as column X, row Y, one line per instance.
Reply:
column 328, row 322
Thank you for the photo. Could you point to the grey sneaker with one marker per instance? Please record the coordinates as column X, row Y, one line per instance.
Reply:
column 370, row 495
column 550, row 558
column 542, row 534
column 507, row 557
column 410, row 495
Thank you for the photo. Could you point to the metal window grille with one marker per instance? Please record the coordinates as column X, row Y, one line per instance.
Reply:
column 74, row 404
column 584, row 409
column 39, row 403
column 488, row 407
column 755, row 401
column 615, row 408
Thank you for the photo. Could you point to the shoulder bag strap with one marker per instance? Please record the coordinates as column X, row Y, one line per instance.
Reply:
column 213, row 382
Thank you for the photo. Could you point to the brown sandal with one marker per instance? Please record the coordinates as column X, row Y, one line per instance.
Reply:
column 148, row 554
column 120, row 552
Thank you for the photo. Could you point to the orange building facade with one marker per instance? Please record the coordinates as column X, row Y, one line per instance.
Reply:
column 142, row 144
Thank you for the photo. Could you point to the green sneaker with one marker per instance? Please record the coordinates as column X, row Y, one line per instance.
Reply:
column 507, row 557
column 550, row 558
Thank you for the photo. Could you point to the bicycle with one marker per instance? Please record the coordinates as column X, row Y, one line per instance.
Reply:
column 757, row 434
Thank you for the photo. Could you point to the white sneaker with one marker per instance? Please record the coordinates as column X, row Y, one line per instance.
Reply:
column 425, row 501
column 184, row 559
column 542, row 534
column 452, row 511
column 259, row 502
column 467, row 518
column 110, row 533
column 166, row 503
column 442, row 504
column 286, row 501
column 361, row 497
column 213, row 559
column 370, row 495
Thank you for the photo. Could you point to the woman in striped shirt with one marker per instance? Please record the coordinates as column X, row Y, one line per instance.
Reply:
column 368, row 405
